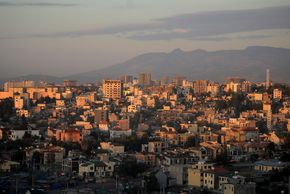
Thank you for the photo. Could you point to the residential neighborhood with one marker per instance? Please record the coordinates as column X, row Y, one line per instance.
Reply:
column 139, row 135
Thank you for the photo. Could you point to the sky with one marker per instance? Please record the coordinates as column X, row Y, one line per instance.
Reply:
column 65, row 37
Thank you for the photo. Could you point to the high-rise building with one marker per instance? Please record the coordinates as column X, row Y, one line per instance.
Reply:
column 112, row 89
column 145, row 79
column 267, row 78
column 70, row 83
column 236, row 84
column 18, row 102
column 235, row 79
column 18, row 84
column 165, row 80
column 277, row 94
column 200, row 86
column 127, row 79
column 213, row 88
column 246, row 86
column 177, row 80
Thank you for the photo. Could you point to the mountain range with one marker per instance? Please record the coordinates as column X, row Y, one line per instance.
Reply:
column 250, row 63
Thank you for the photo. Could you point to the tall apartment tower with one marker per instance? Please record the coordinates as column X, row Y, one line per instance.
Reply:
column 145, row 79
column 267, row 78
column 127, row 79
column 19, row 84
column 112, row 89
column 200, row 86
column 70, row 83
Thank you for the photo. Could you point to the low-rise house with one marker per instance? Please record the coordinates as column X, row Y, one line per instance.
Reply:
column 19, row 132
column 211, row 177
column 8, row 166
column 275, row 137
column 104, row 126
column 164, row 179
column 239, row 188
column 196, row 173
column 118, row 132
column 269, row 165
column 69, row 135
column 255, row 147
column 23, row 112
column 213, row 148
column 146, row 158
column 87, row 169
column 230, row 178
column 96, row 169
column 179, row 158
column 114, row 148
column 155, row 146
column 179, row 173
column 53, row 155
column 235, row 152
column 241, row 134
column 70, row 165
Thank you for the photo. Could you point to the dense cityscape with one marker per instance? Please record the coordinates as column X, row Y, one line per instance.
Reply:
column 138, row 135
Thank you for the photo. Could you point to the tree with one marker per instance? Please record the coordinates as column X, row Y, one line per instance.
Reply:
column 191, row 141
column 18, row 156
column 131, row 143
column 254, row 157
column 223, row 158
column 24, row 120
column 36, row 157
column 221, row 104
column 7, row 109
column 152, row 184
column 130, row 167
column 271, row 149
column 262, row 126
column 237, row 102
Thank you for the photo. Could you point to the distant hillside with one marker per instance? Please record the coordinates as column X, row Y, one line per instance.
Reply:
column 36, row 77
column 200, row 64
column 250, row 63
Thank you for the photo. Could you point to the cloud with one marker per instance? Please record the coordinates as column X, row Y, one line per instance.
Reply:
column 210, row 26
column 130, row 4
column 248, row 37
column 43, row 4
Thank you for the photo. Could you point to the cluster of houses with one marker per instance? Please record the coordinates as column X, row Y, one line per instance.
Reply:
column 190, row 131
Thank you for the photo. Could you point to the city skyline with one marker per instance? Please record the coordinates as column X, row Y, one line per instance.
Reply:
column 67, row 37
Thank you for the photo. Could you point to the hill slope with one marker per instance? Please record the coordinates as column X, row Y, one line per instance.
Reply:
column 199, row 64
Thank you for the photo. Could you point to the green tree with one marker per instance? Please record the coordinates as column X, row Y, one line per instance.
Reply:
column 7, row 109
column 130, row 168
column 152, row 184
column 223, row 158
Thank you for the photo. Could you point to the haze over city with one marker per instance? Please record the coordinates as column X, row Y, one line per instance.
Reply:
column 144, row 96
column 64, row 37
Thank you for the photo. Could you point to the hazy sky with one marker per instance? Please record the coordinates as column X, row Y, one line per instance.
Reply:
column 64, row 37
